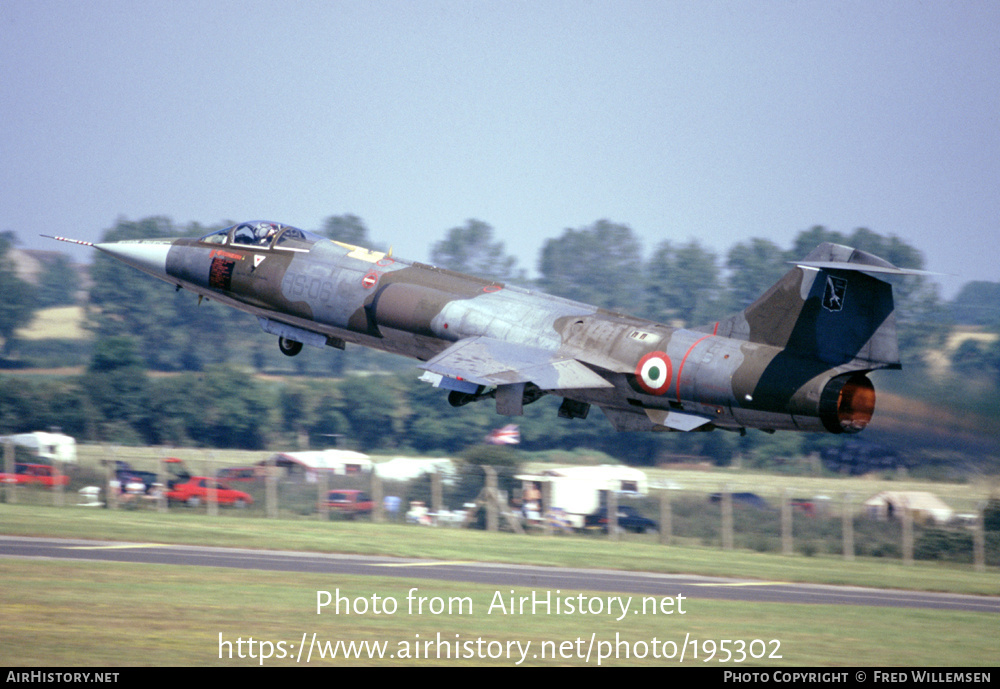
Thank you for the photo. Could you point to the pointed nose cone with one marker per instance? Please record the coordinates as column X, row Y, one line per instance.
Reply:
column 148, row 255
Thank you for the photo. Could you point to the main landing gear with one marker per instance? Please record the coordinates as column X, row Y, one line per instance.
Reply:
column 289, row 347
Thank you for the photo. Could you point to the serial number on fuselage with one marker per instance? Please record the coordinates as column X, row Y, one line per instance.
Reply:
column 312, row 288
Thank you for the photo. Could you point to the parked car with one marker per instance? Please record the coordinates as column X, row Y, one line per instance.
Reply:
column 126, row 475
column 34, row 474
column 194, row 492
column 747, row 499
column 629, row 519
column 349, row 502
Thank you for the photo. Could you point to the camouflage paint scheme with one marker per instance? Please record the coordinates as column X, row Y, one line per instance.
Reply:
column 795, row 359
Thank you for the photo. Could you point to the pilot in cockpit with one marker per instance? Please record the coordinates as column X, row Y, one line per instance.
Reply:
column 265, row 233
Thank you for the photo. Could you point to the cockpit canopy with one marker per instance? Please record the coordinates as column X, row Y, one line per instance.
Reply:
column 264, row 235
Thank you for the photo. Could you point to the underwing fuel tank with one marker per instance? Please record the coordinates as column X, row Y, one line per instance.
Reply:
column 795, row 359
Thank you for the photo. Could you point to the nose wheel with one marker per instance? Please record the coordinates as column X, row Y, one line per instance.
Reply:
column 289, row 347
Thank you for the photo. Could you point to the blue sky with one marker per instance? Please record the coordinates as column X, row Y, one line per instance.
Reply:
column 718, row 121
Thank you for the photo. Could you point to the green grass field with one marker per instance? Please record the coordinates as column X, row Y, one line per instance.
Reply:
column 100, row 614
column 240, row 530
column 106, row 614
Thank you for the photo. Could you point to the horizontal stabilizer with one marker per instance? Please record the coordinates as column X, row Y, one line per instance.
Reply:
column 485, row 361
column 829, row 256
column 839, row 265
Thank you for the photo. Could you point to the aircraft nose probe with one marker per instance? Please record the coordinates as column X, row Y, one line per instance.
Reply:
column 67, row 239
column 148, row 255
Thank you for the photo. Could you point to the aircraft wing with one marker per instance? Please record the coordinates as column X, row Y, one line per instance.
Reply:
column 490, row 362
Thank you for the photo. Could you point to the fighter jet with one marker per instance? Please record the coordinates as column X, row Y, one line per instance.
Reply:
column 795, row 359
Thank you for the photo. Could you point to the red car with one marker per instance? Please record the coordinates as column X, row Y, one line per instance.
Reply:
column 349, row 502
column 38, row 474
column 194, row 492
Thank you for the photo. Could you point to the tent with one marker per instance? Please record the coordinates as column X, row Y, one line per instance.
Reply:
column 409, row 468
column 924, row 506
column 306, row 465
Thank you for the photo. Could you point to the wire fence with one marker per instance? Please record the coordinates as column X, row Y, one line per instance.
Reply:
column 499, row 498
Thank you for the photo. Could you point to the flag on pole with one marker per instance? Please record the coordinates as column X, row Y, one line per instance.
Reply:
column 508, row 435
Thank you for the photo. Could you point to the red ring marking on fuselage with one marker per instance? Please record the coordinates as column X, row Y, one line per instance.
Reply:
column 680, row 369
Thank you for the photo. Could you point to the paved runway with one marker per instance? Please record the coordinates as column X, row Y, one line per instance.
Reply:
column 520, row 576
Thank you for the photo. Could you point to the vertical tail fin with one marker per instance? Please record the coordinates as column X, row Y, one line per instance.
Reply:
column 827, row 308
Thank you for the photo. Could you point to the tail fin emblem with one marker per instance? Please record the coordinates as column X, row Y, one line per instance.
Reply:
column 833, row 296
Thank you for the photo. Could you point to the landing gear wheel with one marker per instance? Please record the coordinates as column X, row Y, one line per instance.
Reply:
column 289, row 347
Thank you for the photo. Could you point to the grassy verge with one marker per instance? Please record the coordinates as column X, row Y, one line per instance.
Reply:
column 635, row 553
column 115, row 615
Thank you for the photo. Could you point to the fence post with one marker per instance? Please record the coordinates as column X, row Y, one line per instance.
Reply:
column 612, row 512
column 112, row 486
column 322, row 488
column 378, row 508
column 437, row 497
column 786, row 524
column 59, row 497
column 10, row 492
column 847, row 522
column 666, row 518
column 271, row 487
column 979, row 540
column 727, row 518
column 213, row 486
column 907, row 533
column 162, row 503
column 545, row 508
column 492, row 521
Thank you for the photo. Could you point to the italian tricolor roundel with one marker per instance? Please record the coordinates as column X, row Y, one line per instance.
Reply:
column 654, row 373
